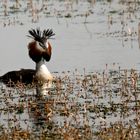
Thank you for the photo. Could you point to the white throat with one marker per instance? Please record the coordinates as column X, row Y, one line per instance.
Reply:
column 44, row 78
column 42, row 72
column 47, row 44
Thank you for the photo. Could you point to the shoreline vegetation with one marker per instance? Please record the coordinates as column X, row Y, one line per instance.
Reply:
column 97, row 105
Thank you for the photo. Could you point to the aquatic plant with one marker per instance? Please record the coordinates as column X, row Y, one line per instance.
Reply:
column 96, row 105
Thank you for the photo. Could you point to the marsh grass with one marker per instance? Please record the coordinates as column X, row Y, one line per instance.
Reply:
column 122, row 22
column 15, row 11
column 98, row 105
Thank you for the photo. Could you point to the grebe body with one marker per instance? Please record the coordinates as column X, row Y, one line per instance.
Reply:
column 12, row 78
column 40, row 50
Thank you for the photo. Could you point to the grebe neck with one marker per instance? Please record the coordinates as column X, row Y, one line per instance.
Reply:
column 44, row 77
column 42, row 72
column 39, row 64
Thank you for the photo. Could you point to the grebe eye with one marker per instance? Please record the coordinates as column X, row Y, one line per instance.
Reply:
column 42, row 45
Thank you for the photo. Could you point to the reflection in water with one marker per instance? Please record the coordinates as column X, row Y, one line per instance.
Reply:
column 88, row 31
column 139, row 34
column 41, row 114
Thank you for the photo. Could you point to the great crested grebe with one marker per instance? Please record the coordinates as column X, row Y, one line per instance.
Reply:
column 40, row 51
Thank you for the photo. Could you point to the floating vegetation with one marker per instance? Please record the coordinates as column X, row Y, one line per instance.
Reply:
column 98, row 105
column 113, row 12
column 29, row 10
column 119, row 18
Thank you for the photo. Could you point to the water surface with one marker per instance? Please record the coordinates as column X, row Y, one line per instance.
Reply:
column 81, row 42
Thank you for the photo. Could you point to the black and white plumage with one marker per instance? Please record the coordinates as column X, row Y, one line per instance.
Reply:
column 39, row 36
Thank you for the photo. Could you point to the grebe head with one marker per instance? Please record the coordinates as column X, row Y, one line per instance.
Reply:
column 40, row 47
